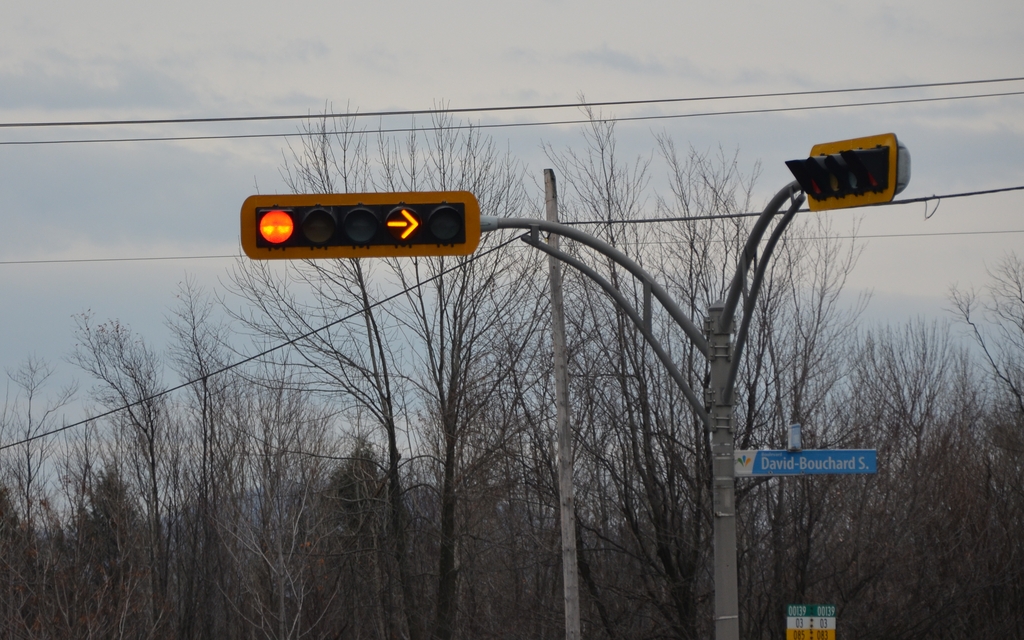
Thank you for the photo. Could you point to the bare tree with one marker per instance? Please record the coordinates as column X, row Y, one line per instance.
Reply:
column 128, row 375
column 384, row 468
column 995, row 317
column 271, row 517
column 27, row 416
column 422, row 358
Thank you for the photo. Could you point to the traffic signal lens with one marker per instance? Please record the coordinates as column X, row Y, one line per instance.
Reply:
column 318, row 226
column 445, row 223
column 360, row 225
column 402, row 223
column 276, row 226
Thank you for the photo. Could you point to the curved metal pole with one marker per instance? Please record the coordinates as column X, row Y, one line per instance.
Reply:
column 750, row 250
column 691, row 330
column 724, row 365
column 755, row 287
column 698, row 406
column 723, row 368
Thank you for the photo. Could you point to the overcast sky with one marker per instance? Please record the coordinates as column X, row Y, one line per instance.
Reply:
column 108, row 60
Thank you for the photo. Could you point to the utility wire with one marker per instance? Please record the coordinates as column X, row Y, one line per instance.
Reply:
column 509, row 125
column 259, row 355
column 865, row 236
column 130, row 259
column 966, row 194
column 928, row 234
column 753, row 214
column 394, row 296
column 439, row 111
column 991, row 232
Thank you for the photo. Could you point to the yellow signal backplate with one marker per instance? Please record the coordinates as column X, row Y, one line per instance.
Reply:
column 867, row 142
column 249, row 231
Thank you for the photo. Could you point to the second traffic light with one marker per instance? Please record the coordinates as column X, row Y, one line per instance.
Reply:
column 360, row 225
column 853, row 173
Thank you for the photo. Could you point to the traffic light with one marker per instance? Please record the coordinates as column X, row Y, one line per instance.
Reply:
column 853, row 173
column 360, row 225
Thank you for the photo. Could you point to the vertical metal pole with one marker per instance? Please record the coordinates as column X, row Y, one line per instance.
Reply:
column 727, row 618
column 567, row 502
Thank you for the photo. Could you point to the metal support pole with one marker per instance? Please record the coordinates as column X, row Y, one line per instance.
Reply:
column 715, row 342
column 570, row 578
column 727, row 615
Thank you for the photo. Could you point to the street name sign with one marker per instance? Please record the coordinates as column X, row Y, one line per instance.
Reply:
column 768, row 462
column 810, row 622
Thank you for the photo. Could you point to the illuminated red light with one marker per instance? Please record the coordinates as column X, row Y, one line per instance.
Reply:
column 276, row 226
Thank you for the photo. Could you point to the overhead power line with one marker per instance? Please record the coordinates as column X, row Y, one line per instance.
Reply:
column 509, row 125
column 128, row 259
column 492, row 109
column 751, row 214
column 406, row 290
column 868, row 236
column 748, row 214
column 256, row 356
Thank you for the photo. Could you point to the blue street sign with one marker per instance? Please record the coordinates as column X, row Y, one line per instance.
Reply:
column 813, row 461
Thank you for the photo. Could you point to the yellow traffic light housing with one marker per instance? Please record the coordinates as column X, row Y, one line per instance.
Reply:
column 853, row 173
column 360, row 225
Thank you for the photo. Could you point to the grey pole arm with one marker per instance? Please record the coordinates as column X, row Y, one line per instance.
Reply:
column 698, row 406
column 755, row 288
column 750, row 250
column 490, row 223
